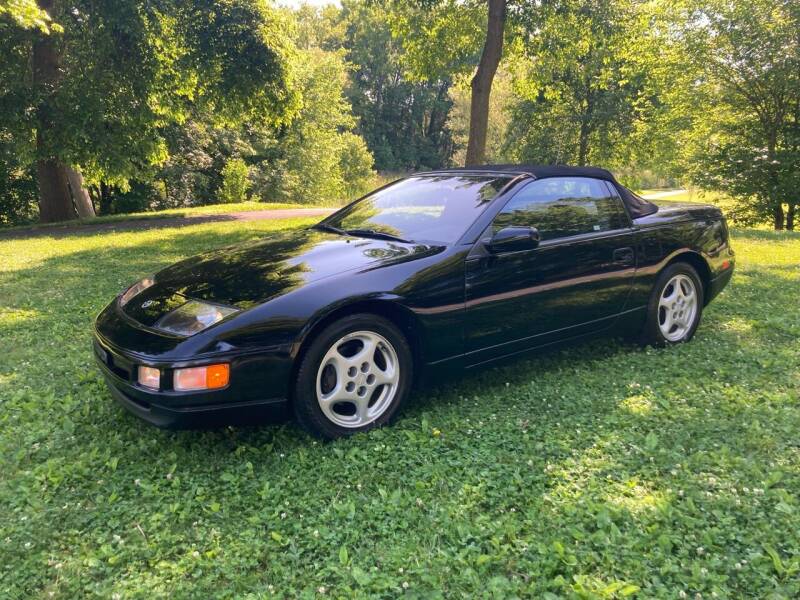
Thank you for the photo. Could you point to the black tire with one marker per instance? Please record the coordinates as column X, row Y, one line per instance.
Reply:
column 307, row 408
column 652, row 334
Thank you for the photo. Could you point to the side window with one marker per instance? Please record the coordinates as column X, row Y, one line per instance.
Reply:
column 564, row 206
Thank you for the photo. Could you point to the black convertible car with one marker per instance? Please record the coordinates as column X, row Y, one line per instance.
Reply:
column 445, row 269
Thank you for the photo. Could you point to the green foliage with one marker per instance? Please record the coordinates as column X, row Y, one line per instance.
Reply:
column 18, row 189
column 17, row 193
column 25, row 14
column 153, row 99
column 235, row 182
column 131, row 70
column 440, row 38
column 749, row 145
column 737, row 165
column 577, row 84
column 310, row 152
column 355, row 162
column 498, row 150
column 404, row 122
column 586, row 472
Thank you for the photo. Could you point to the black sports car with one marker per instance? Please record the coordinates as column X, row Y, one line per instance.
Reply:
column 445, row 269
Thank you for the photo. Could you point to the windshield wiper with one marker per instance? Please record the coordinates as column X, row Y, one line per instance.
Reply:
column 374, row 233
column 331, row 228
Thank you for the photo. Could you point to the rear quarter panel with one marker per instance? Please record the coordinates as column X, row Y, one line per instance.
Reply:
column 696, row 232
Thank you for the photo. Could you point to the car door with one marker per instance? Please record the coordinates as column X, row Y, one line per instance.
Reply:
column 575, row 282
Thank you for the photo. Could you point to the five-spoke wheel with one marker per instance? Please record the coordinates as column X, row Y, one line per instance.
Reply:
column 353, row 376
column 357, row 379
column 675, row 306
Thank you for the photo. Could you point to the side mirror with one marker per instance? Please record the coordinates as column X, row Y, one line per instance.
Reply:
column 513, row 239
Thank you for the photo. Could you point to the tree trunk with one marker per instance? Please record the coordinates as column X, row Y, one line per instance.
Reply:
column 777, row 206
column 80, row 195
column 437, row 115
column 585, row 129
column 482, row 83
column 777, row 214
column 790, row 217
column 583, row 144
column 55, row 203
column 55, row 200
column 105, row 199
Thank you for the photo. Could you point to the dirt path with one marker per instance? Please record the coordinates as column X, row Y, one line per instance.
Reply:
column 657, row 195
column 59, row 231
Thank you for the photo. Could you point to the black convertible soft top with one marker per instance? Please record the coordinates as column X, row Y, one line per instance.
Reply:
column 637, row 206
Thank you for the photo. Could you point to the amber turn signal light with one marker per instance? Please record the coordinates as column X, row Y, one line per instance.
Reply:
column 149, row 377
column 209, row 377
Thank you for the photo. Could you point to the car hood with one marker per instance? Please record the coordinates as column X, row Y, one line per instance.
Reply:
column 252, row 273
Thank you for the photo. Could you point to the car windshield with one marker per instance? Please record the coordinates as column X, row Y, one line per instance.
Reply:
column 437, row 208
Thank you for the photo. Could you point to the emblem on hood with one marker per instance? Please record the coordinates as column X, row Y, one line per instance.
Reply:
column 148, row 303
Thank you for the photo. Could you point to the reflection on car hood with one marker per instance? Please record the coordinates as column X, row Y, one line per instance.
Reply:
column 248, row 274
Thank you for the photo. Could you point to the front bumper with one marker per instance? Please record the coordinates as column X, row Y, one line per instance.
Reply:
column 719, row 282
column 243, row 401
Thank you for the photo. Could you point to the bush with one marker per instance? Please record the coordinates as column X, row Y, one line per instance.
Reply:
column 235, row 184
column 355, row 163
column 319, row 160
column 18, row 194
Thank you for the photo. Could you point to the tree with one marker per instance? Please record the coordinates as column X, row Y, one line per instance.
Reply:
column 500, row 103
column 745, row 141
column 579, row 89
column 482, row 82
column 25, row 14
column 234, row 181
column 305, row 162
column 404, row 122
column 443, row 38
column 113, row 75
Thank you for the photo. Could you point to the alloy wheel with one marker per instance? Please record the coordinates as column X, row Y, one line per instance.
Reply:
column 677, row 308
column 357, row 379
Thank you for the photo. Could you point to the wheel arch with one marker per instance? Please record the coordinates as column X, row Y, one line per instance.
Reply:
column 700, row 265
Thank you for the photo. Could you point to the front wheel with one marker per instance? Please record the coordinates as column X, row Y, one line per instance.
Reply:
column 354, row 376
column 675, row 306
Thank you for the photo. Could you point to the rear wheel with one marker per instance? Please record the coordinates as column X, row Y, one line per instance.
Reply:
column 354, row 377
column 675, row 306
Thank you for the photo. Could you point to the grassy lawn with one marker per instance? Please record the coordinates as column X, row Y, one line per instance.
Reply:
column 600, row 470
column 193, row 211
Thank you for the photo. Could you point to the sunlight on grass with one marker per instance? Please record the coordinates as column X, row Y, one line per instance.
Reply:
column 636, row 497
column 162, row 242
column 576, row 472
column 12, row 316
column 738, row 326
column 638, row 404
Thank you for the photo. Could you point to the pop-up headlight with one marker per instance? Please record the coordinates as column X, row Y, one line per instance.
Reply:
column 193, row 317
column 136, row 289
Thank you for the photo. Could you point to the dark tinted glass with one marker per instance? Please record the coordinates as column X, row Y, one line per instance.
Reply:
column 564, row 206
column 436, row 208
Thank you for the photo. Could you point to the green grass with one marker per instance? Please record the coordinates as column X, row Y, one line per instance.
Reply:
column 600, row 470
column 193, row 211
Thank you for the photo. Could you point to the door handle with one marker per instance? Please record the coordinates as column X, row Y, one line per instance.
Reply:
column 623, row 256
